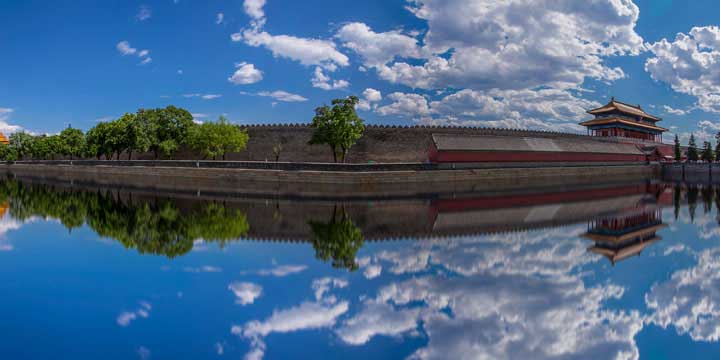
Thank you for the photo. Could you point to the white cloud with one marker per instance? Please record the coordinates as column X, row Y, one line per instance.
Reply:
column 283, row 270
column 5, row 127
column 283, row 96
column 144, row 353
column 245, row 74
column 219, row 18
column 369, row 100
column 304, row 50
column 126, row 317
column 307, row 51
column 144, row 13
column 545, row 109
column 245, row 292
column 407, row 105
column 322, row 81
column 254, row 9
column 522, row 43
column 679, row 112
column 377, row 49
column 125, row 49
column 689, row 65
column 203, row 96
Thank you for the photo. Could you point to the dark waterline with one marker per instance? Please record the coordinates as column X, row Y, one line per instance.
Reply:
column 618, row 270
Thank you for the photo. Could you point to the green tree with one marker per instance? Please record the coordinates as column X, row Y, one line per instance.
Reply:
column 692, row 153
column 338, row 126
column 707, row 153
column 96, row 140
column 717, row 146
column 166, row 128
column 678, row 151
column 21, row 145
column 41, row 148
column 73, row 142
column 216, row 139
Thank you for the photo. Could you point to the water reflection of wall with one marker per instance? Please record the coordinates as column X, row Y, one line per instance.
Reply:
column 168, row 224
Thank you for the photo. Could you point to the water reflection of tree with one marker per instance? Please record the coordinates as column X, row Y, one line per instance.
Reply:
column 677, row 199
column 337, row 240
column 153, row 227
column 707, row 193
column 692, row 195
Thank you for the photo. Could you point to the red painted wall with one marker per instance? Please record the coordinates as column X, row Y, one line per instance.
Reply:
column 528, row 156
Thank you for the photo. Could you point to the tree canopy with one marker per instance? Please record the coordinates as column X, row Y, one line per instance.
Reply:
column 216, row 139
column 338, row 126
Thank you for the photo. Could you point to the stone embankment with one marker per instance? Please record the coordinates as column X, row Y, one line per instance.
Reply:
column 409, row 181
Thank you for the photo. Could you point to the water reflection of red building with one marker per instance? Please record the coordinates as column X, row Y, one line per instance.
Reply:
column 621, row 236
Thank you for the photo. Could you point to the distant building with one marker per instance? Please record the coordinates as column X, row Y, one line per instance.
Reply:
column 4, row 140
column 618, row 119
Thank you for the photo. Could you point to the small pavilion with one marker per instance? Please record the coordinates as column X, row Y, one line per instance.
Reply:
column 4, row 140
column 618, row 119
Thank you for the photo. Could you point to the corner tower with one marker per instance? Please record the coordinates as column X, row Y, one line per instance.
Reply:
column 618, row 119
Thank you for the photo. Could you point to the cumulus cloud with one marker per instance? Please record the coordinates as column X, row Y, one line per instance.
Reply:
column 545, row 109
column 522, row 44
column 307, row 51
column 245, row 292
column 203, row 269
column 688, row 65
column 127, row 317
column 304, row 50
column 245, row 74
column 377, row 49
column 281, row 95
column 322, row 81
column 370, row 98
column 671, row 110
column 125, row 49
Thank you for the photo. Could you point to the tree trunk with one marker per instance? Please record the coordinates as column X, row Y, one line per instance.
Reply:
column 334, row 154
column 129, row 154
column 223, row 156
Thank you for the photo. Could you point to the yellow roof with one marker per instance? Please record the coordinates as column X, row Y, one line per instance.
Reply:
column 3, row 139
column 611, row 120
column 623, row 107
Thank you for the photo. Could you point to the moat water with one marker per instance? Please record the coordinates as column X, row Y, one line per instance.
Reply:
column 617, row 271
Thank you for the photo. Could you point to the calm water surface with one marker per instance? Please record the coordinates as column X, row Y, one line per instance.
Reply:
column 619, row 271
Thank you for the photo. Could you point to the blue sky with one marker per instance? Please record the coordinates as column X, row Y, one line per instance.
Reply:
column 521, row 63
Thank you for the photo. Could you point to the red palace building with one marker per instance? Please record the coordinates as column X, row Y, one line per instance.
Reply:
column 619, row 133
column 624, row 120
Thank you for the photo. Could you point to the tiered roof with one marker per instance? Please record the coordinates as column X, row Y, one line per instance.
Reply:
column 3, row 139
column 622, row 107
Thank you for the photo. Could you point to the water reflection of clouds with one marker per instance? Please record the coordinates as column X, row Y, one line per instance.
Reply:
column 690, row 300
column 518, row 295
column 245, row 292
column 127, row 317
column 8, row 224
column 321, row 313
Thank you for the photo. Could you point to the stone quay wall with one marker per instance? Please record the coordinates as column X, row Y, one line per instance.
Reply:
column 330, row 184
column 691, row 173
